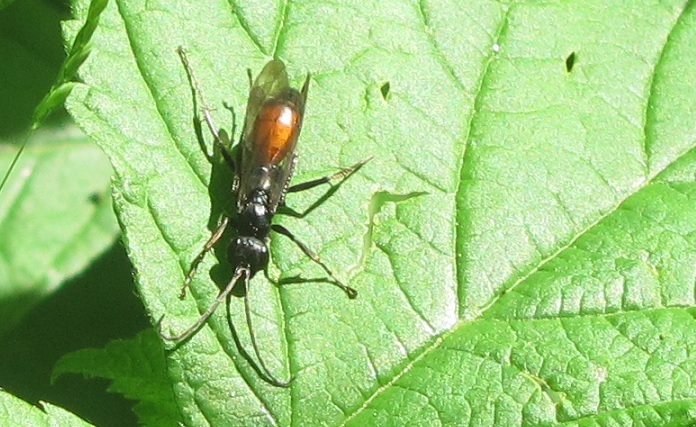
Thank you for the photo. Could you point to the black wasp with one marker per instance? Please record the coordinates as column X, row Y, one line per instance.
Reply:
column 263, row 165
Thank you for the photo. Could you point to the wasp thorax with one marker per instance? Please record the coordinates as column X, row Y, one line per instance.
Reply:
column 254, row 220
column 254, row 216
column 248, row 252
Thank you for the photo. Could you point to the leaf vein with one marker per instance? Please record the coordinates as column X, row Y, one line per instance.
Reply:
column 150, row 85
column 437, row 50
column 459, row 198
column 244, row 24
column 280, row 31
column 652, row 92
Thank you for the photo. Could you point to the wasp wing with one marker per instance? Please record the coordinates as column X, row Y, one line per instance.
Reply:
column 272, row 80
column 286, row 167
column 258, row 169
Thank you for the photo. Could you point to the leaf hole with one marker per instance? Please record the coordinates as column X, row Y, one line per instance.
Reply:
column 95, row 198
column 570, row 62
column 384, row 89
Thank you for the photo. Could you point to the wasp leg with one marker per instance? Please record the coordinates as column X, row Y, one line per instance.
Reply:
column 341, row 174
column 296, row 280
column 222, row 140
column 208, row 246
column 352, row 293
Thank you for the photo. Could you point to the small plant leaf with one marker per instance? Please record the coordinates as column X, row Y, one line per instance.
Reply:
column 137, row 370
column 56, row 216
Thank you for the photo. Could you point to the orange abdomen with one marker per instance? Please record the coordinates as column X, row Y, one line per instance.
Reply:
column 275, row 132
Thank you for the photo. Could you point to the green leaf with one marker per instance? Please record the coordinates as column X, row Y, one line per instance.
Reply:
column 138, row 372
column 522, row 243
column 55, row 217
column 18, row 413
column 5, row 3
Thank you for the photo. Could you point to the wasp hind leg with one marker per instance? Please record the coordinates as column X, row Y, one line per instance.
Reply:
column 341, row 175
column 351, row 292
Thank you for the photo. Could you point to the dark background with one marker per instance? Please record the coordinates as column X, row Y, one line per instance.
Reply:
column 100, row 304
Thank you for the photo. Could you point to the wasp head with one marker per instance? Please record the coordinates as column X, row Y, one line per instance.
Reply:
column 248, row 252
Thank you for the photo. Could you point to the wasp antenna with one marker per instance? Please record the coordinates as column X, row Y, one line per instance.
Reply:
column 205, row 316
column 267, row 375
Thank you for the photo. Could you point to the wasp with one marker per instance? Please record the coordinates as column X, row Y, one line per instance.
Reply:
column 263, row 164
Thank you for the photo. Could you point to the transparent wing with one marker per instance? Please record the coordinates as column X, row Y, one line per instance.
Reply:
column 270, row 86
column 272, row 80
column 287, row 166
